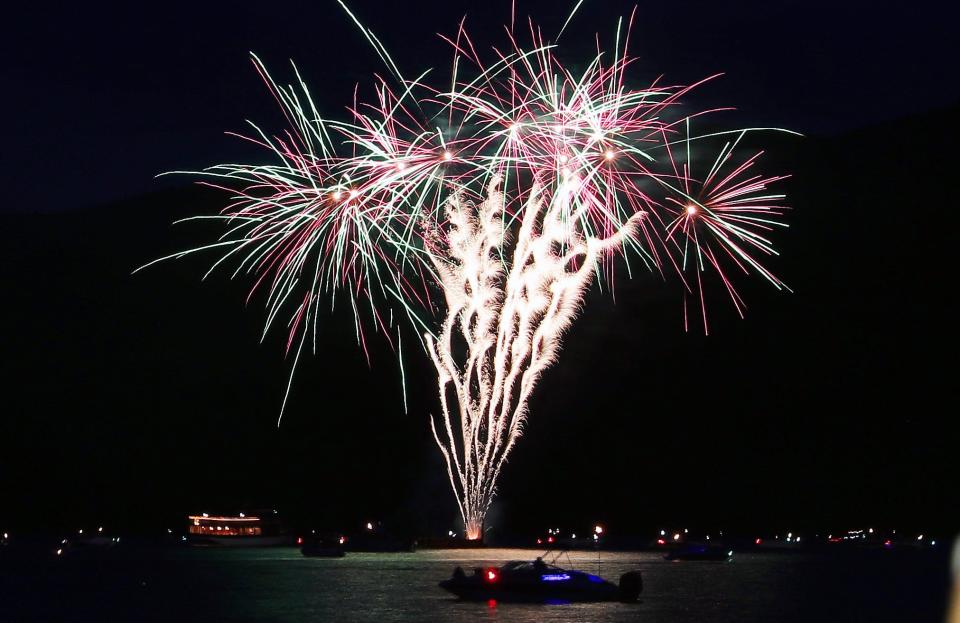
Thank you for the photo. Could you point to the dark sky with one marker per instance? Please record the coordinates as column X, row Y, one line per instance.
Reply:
column 149, row 396
column 99, row 98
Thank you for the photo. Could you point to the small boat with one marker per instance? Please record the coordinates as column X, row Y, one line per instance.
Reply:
column 537, row 581
column 323, row 547
column 700, row 552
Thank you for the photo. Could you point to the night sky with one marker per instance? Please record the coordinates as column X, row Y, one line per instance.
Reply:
column 136, row 399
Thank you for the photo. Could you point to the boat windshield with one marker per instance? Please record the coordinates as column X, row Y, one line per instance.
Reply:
column 517, row 565
column 527, row 566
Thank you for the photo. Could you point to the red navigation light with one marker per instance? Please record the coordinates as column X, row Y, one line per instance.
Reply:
column 661, row 542
column 299, row 540
column 539, row 541
column 758, row 541
column 492, row 575
column 549, row 539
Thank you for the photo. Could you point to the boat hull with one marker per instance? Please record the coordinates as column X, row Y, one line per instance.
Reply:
column 528, row 595
column 322, row 552
column 530, row 584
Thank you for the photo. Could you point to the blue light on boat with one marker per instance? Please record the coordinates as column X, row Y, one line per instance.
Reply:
column 594, row 578
column 555, row 577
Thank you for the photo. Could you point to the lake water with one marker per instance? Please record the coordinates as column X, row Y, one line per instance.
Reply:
column 278, row 584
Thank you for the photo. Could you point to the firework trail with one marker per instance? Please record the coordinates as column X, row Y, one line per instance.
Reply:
column 509, row 193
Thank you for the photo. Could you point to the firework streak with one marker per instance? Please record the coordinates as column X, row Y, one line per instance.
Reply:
column 510, row 192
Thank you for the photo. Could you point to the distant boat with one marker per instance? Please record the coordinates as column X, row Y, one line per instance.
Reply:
column 260, row 529
column 323, row 547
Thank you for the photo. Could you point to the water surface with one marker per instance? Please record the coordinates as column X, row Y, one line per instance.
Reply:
column 278, row 584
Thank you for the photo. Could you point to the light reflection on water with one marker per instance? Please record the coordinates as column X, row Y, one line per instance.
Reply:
column 279, row 584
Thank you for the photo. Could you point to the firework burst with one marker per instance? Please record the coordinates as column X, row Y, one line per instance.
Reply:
column 508, row 192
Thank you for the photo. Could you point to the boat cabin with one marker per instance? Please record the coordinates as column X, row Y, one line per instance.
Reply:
column 241, row 525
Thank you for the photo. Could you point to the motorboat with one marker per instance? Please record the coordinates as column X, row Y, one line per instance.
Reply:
column 323, row 547
column 540, row 582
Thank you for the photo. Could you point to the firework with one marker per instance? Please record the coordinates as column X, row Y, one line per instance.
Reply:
column 508, row 194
